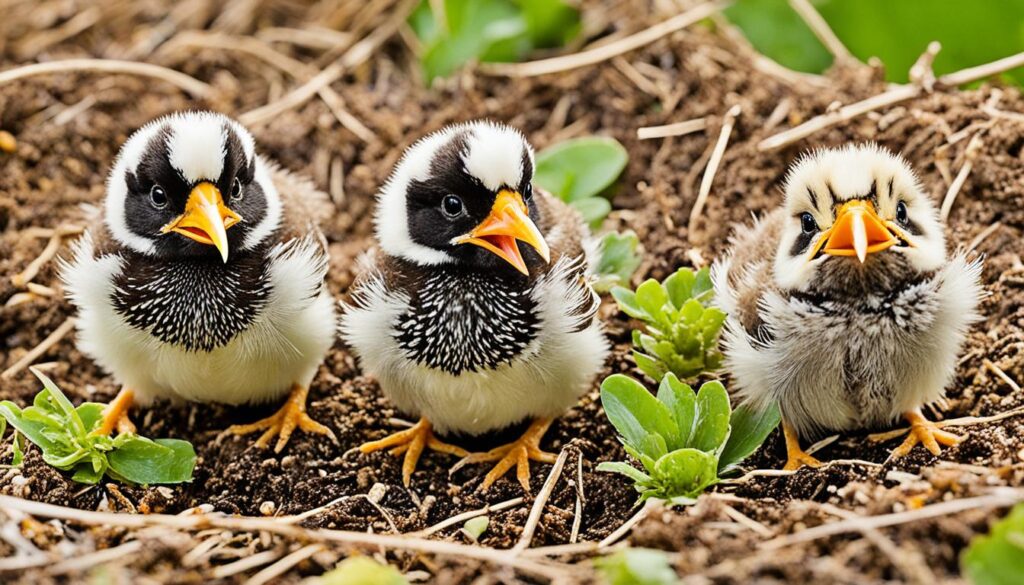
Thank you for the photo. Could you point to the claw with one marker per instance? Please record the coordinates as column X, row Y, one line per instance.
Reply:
column 518, row 453
column 925, row 432
column 796, row 457
column 284, row 422
column 411, row 442
column 115, row 415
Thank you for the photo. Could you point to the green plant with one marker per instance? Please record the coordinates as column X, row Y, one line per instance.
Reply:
column 998, row 557
column 488, row 31
column 636, row 566
column 682, row 330
column 580, row 170
column 64, row 434
column 475, row 527
column 683, row 439
column 360, row 570
column 619, row 259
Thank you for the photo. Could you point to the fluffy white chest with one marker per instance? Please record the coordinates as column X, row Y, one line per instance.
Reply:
column 281, row 346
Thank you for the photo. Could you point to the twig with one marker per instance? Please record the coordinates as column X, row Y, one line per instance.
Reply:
column 87, row 561
column 44, row 346
column 1002, row 375
column 922, row 72
column 283, row 565
column 747, row 521
column 52, row 247
column 577, row 517
column 460, row 518
column 821, row 30
column 189, row 84
column 984, row 235
column 245, row 563
column 627, row 525
column 605, row 52
column 970, row 74
column 709, row 172
column 677, row 129
column 538, row 504
column 998, row 499
column 354, row 56
column 973, row 147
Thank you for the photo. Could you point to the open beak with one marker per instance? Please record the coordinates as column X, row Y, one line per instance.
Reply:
column 507, row 223
column 206, row 218
column 857, row 231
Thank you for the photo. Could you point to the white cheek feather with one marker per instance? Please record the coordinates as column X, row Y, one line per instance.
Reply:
column 196, row 145
column 272, row 219
column 494, row 155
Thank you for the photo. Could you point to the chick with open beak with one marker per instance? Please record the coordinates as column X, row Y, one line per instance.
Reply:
column 476, row 311
column 843, row 306
column 206, row 218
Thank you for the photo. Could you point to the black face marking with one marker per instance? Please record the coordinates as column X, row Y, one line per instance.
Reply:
column 197, row 303
column 432, row 225
column 808, row 232
column 814, row 198
column 154, row 170
column 463, row 320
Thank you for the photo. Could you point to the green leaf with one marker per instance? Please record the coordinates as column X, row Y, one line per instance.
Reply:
column 625, row 469
column 91, row 414
column 626, row 299
column 550, row 23
column 31, row 429
column 712, row 419
column 475, row 527
column 680, row 286
column 652, row 367
column 749, row 429
column 66, row 408
column 703, row 288
column 593, row 210
column 682, row 402
column 998, row 557
column 360, row 570
column 486, row 30
column 17, row 449
column 691, row 311
column 686, row 472
column 634, row 412
column 637, row 566
column 86, row 473
column 619, row 260
column 147, row 462
column 581, row 167
column 651, row 296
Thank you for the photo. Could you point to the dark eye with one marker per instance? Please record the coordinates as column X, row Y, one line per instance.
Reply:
column 236, row 190
column 901, row 213
column 807, row 223
column 452, row 206
column 158, row 197
column 527, row 192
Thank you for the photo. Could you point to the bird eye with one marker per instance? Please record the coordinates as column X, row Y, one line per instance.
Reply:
column 158, row 197
column 451, row 205
column 528, row 192
column 901, row 213
column 236, row 190
column 807, row 223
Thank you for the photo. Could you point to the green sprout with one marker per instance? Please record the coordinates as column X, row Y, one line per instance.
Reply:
column 620, row 257
column 998, row 557
column 682, row 330
column 580, row 172
column 64, row 434
column 684, row 440
column 360, row 570
column 488, row 31
column 636, row 566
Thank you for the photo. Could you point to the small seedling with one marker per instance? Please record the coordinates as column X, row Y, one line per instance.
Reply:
column 64, row 434
column 998, row 557
column 580, row 171
column 619, row 259
column 360, row 570
column 488, row 31
column 475, row 527
column 636, row 566
column 682, row 330
column 683, row 439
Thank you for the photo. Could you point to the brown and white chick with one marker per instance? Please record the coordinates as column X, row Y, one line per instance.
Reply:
column 204, row 278
column 476, row 312
column 844, row 308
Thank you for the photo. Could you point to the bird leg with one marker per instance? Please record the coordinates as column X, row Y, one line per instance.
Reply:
column 925, row 432
column 412, row 441
column 795, row 456
column 115, row 415
column 518, row 453
column 283, row 422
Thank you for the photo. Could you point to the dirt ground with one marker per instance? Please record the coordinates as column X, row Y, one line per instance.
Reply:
column 68, row 129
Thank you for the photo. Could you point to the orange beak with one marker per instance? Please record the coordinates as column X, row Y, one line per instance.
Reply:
column 857, row 231
column 206, row 219
column 507, row 224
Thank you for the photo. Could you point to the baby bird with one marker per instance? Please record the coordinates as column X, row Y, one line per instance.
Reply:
column 843, row 306
column 204, row 280
column 461, row 323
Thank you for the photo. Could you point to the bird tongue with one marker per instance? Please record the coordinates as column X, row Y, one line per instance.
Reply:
column 510, row 249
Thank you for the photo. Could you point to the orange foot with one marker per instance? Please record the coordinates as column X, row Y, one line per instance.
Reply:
column 412, row 442
column 283, row 422
column 795, row 456
column 519, row 453
column 115, row 415
column 922, row 431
